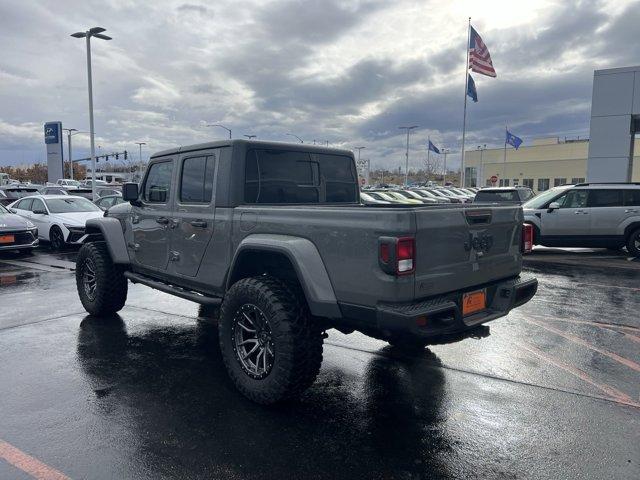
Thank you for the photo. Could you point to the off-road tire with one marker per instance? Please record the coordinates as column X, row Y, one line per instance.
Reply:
column 297, row 339
column 56, row 238
column 209, row 312
column 633, row 243
column 110, row 292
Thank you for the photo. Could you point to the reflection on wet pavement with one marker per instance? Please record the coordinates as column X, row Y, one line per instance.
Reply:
column 144, row 394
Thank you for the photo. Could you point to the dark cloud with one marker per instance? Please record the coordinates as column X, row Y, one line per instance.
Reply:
column 192, row 8
column 318, row 68
column 313, row 22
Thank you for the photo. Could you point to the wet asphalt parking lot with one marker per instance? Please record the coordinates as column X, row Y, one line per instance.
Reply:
column 553, row 392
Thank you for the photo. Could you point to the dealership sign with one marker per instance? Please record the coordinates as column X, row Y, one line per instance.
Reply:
column 55, row 159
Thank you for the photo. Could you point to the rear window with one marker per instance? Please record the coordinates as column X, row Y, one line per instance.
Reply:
column 511, row 196
column 20, row 192
column 632, row 197
column 282, row 176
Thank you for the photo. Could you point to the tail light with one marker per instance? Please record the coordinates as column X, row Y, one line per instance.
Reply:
column 397, row 255
column 527, row 238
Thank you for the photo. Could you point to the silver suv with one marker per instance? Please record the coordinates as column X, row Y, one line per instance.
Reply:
column 587, row 215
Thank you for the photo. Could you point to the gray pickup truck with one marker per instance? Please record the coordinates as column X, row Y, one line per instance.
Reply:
column 272, row 241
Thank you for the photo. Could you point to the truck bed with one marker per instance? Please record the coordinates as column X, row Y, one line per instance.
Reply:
column 458, row 246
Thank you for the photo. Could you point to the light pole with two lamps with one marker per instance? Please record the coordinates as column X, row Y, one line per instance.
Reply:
column 97, row 33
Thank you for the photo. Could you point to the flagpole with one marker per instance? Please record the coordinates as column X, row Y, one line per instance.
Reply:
column 428, row 154
column 464, row 119
column 504, row 158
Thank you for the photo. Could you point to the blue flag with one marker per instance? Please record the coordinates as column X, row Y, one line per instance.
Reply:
column 513, row 140
column 432, row 147
column 471, row 89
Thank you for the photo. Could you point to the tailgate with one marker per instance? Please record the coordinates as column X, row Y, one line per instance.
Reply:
column 459, row 248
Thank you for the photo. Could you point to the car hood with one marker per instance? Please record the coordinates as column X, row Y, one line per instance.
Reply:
column 9, row 221
column 76, row 218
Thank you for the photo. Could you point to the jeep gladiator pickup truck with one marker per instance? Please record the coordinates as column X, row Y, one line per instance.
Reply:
column 272, row 241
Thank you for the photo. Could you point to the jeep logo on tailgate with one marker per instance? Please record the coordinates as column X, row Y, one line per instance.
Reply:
column 481, row 243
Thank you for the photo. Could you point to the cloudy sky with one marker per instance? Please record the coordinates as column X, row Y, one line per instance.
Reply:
column 349, row 72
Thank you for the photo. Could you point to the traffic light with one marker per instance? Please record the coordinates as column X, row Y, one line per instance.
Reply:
column 106, row 158
column 117, row 156
column 125, row 154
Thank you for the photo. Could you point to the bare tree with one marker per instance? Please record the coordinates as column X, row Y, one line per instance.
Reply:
column 432, row 166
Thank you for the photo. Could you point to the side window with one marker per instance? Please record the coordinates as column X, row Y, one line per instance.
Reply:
column 24, row 204
column 158, row 183
column 196, row 181
column 632, row 197
column 605, row 198
column 574, row 199
column 37, row 205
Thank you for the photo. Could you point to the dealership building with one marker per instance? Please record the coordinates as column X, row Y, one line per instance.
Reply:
column 546, row 163
column 609, row 155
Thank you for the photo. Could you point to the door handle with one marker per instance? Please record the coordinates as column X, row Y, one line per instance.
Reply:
column 162, row 220
column 198, row 224
column 631, row 210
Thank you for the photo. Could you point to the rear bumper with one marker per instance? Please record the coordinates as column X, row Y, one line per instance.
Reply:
column 442, row 315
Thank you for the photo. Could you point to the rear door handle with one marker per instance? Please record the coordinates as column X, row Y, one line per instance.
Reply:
column 631, row 210
column 162, row 220
column 199, row 224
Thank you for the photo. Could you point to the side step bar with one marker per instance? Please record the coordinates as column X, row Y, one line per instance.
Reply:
column 173, row 290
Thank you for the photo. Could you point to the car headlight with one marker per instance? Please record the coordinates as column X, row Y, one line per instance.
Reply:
column 30, row 225
column 74, row 227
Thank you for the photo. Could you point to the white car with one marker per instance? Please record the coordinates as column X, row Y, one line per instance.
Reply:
column 60, row 218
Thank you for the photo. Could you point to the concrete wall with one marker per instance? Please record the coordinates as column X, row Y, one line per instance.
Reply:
column 615, row 102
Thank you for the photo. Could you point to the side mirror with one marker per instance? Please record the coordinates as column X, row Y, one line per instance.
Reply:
column 13, row 210
column 553, row 206
column 130, row 192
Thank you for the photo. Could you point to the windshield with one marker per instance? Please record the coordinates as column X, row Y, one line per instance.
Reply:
column 540, row 200
column 69, row 205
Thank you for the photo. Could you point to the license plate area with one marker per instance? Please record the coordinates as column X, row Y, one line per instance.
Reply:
column 7, row 239
column 473, row 302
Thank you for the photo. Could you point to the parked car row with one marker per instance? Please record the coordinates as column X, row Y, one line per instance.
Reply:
column 58, row 219
column 417, row 195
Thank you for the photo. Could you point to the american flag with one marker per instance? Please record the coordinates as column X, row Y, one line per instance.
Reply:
column 479, row 58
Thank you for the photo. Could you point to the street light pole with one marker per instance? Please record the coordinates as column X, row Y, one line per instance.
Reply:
column 444, row 175
column 294, row 135
column 481, row 176
column 406, row 172
column 69, row 130
column 92, row 32
column 221, row 126
column 140, row 154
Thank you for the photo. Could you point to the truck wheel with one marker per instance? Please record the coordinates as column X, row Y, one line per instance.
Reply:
column 633, row 243
column 101, row 284
column 270, row 344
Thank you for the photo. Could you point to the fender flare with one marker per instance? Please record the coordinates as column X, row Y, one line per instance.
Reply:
column 307, row 263
column 111, row 231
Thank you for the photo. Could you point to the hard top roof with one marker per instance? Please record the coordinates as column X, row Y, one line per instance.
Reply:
column 248, row 144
